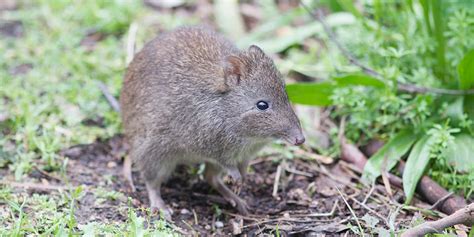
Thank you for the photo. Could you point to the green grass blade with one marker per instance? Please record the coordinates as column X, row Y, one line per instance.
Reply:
column 466, row 71
column 415, row 166
column 438, row 21
column 388, row 156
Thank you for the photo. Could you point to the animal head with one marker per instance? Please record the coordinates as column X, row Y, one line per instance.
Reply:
column 258, row 98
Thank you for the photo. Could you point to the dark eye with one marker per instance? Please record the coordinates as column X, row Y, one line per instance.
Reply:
column 262, row 105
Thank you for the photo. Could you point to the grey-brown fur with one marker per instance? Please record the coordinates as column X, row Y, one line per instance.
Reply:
column 190, row 95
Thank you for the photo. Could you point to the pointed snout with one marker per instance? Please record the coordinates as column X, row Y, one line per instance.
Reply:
column 296, row 137
column 299, row 140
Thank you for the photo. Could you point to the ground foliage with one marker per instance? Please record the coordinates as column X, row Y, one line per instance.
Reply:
column 60, row 155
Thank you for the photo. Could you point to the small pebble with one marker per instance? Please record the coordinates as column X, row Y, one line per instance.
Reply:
column 207, row 227
column 184, row 211
column 219, row 224
column 111, row 164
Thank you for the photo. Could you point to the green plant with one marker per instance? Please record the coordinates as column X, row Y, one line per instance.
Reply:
column 410, row 48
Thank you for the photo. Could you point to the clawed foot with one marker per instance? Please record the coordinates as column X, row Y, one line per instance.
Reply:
column 164, row 212
column 239, row 204
column 213, row 176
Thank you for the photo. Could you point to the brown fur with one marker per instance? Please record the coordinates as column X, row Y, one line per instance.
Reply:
column 190, row 95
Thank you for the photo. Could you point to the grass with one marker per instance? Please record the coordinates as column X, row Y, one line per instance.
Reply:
column 47, row 103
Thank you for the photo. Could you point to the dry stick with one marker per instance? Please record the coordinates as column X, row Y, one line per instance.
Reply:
column 371, row 210
column 352, row 211
column 132, row 33
column 384, row 175
column 409, row 88
column 298, row 172
column 131, row 38
column 298, row 220
column 51, row 176
column 317, row 228
column 370, row 193
column 440, row 201
column 110, row 98
column 35, row 186
column 463, row 216
column 327, row 214
column 195, row 217
column 277, row 181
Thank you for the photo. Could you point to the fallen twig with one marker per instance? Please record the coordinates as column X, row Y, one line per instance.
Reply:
column 463, row 216
column 36, row 186
column 298, row 172
column 110, row 98
column 131, row 38
column 371, row 210
column 277, row 181
column 370, row 193
column 326, row 214
column 352, row 211
column 289, row 219
column 404, row 87
column 440, row 201
column 51, row 176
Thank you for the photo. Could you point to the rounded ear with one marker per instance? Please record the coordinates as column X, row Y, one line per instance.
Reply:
column 255, row 49
column 234, row 67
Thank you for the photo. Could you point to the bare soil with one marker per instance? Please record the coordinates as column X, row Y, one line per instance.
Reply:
column 310, row 198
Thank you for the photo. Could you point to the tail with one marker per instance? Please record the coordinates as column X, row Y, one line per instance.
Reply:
column 127, row 172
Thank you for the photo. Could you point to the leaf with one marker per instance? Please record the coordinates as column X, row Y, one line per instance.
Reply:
column 415, row 166
column 311, row 93
column 460, row 153
column 469, row 106
column 359, row 79
column 320, row 93
column 228, row 18
column 466, row 71
column 312, row 70
column 349, row 5
column 296, row 35
column 455, row 109
column 291, row 37
column 391, row 152
column 269, row 27
column 370, row 220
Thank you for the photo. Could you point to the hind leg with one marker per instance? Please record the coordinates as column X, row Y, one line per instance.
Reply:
column 155, row 169
column 213, row 175
column 154, row 176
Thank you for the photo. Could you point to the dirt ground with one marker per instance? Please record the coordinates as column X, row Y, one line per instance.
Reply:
column 311, row 198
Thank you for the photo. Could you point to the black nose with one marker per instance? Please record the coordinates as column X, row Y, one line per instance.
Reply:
column 299, row 140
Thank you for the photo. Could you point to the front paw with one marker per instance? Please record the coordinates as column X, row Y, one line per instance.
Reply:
column 234, row 173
